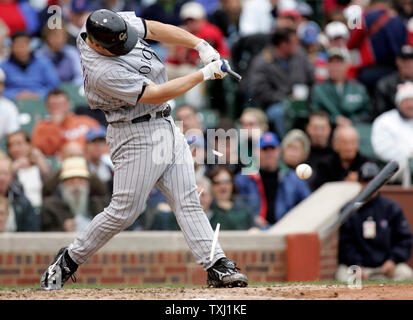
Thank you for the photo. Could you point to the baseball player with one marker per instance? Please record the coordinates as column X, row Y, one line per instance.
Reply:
column 126, row 79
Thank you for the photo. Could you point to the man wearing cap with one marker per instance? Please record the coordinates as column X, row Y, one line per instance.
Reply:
column 392, row 131
column 79, row 12
column 73, row 204
column 337, row 34
column 346, row 101
column 9, row 115
column 384, row 97
column 96, row 152
column 28, row 76
column 376, row 238
column 270, row 194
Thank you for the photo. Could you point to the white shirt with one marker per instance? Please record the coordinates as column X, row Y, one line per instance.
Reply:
column 31, row 181
column 9, row 117
column 391, row 137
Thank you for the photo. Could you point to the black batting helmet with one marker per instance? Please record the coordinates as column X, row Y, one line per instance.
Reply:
column 111, row 31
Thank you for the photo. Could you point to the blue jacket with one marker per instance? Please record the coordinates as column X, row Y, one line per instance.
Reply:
column 291, row 190
column 393, row 238
column 39, row 76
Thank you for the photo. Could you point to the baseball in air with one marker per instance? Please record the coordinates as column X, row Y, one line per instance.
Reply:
column 303, row 171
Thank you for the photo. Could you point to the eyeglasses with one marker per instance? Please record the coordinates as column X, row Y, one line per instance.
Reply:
column 222, row 181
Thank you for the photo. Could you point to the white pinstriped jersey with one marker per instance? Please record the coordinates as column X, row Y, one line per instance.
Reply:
column 114, row 84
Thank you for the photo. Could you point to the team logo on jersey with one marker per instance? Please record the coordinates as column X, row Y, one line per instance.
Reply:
column 122, row 36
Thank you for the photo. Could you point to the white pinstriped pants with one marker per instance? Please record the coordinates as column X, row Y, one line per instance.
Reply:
column 144, row 155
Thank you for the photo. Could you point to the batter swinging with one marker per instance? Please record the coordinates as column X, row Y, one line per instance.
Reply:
column 125, row 79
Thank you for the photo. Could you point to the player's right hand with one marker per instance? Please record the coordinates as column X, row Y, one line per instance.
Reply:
column 213, row 70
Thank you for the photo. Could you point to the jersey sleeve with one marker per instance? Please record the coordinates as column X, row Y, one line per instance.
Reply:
column 123, row 85
column 138, row 23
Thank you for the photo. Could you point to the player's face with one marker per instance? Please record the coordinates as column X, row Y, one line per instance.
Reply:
column 319, row 130
column 18, row 146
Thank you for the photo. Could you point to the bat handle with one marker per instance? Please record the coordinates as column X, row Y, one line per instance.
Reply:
column 229, row 71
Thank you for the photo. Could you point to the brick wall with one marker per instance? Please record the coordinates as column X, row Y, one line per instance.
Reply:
column 329, row 256
column 136, row 259
column 115, row 268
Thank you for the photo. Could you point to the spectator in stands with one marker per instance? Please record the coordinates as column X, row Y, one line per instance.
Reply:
column 96, row 149
column 275, row 71
column 404, row 8
column 165, row 11
column 333, row 7
column 226, row 208
column 197, row 147
column 65, row 57
column 190, row 119
column 222, row 147
column 72, row 149
column 9, row 115
column 384, row 97
column 308, row 33
column 4, row 213
column 226, row 17
column 181, row 60
column 29, row 167
column 270, row 194
column 118, row 5
column 28, row 76
column 346, row 162
column 376, row 238
column 337, row 34
column 288, row 18
column 346, row 101
column 50, row 135
column 73, row 203
column 259, row 16
column 19, row 16
column 22, row 216
column 4, row 32
column 392, row 131
column 378, row 37
column 79, row 12
column 255, row 123
column 319, row 131
column 295, row 148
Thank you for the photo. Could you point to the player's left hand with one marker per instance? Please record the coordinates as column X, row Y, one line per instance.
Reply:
column 207, row 53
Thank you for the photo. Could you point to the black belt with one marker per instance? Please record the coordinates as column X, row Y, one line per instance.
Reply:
column 159, row 114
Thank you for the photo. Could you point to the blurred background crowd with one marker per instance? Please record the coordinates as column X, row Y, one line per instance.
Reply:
column 325, row 83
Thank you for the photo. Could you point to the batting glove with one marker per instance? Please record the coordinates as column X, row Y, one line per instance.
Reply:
column 207, row 53
column 213, row 70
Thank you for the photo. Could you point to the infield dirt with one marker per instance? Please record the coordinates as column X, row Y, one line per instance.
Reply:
column 274, row 292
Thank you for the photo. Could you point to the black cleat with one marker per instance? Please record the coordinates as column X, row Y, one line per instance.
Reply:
column 224, row 273
column 58, row 273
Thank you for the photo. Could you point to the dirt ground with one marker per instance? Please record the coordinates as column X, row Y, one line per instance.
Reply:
column 275, row 292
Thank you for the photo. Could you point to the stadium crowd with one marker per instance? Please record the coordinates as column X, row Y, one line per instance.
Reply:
column 324, row 82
